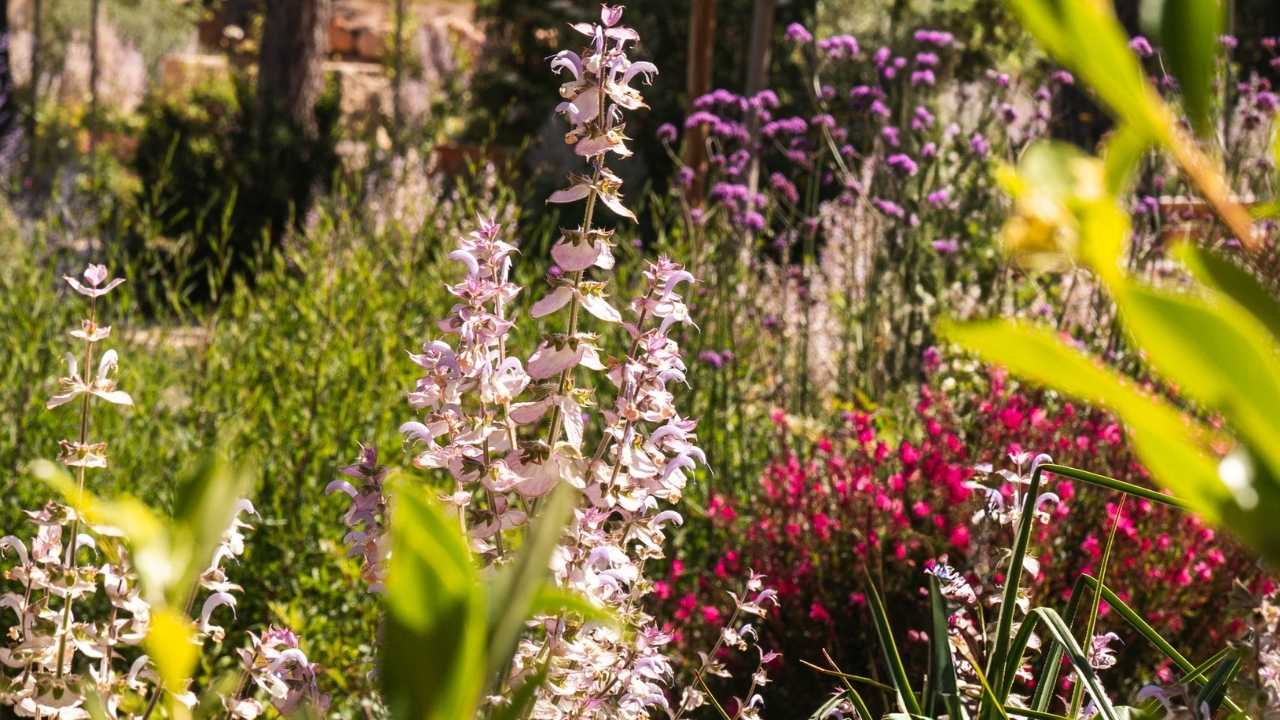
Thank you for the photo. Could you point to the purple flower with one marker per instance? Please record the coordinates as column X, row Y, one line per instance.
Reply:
column 861, row 92
column 785, row 187
column 765, row 99
column 1228, row 41
column 979, row 145
column 879, row 108
column 685, row 177
column 1008, row 113
column 881, row 56
column 922, row 77
column 839, row 47
column 787, row 126
column 667, row 133
column 921, row 119
column 1062, row 77
column 888, row 207
column 927, row 59
column 1001, row 79
column 938, row 198
column 934, row 37
column 753, row 221
column 902, row 164
column 1141, row 46
column 610, row 15
column 700, row 118
column 797, row 34
column 929, row 151
column 946, row 246
column 823, row 120
column 890, row 134
column 712, row 358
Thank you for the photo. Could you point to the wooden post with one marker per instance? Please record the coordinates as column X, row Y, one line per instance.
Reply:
column 702, row 26
column 757, row 74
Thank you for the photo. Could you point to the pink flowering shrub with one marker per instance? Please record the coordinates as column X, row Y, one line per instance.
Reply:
column 894, row 496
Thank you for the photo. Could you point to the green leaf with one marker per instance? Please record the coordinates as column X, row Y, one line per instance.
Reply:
column 1000, row 664
column 832, row 703
column 1231, row 280
column 1213, row 352
column 517, row 584
column 1121, row 153
column 1108, row 483
column 204, row 506
column 522, row 699
column 433, row 664
column 1215, row 689
column 1188, row 31
column 171, row 644
column 1085, row 36
column 884, row 631
column 552, row 600
column 1144, row 628
column 1052, row 622
column 942, row 668
column 1173, row 447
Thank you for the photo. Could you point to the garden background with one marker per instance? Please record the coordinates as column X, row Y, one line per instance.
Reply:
column 282, row 189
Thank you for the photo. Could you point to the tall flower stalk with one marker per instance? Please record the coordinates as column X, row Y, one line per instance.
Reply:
column 62, row 649
column 509, row 432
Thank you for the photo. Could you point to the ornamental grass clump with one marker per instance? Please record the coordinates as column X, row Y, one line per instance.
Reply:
column 79, row 590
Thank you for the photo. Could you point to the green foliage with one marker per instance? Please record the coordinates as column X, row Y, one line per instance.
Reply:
column 220, row 179
column 1188, row 31
column 1215, row 344
column 169, row 553
column 450, row 633
column 433, row 650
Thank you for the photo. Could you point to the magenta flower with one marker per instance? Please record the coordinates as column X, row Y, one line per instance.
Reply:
column 798, row 34
column 1141, row 46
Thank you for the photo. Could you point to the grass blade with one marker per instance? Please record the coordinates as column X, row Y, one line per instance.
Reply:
column 942, row 668
column 1053, row 622
column 885, row 632
column 1137, row 622
column 1215, row 689
column 996, row 663
column 1118, row 485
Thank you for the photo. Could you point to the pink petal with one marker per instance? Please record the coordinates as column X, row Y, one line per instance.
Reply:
column 568, row 195
column 598, row 306
column 553, row 302
column 572, row 257
column 548, row 360
column 614, row 203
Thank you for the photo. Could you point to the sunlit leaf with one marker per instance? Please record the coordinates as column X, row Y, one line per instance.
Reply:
column 1188, row 32
column 433, row 649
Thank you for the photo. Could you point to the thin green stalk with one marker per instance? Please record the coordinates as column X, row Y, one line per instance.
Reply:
column 1077, row 692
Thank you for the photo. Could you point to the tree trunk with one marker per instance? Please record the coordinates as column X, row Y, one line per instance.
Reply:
column 397, row 80
column 290, row 79
column 702, row 27
column 10, row 124
column 94, row 18
column 37, row 33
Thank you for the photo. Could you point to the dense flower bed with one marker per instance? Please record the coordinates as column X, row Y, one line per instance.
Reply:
column 892, row 496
